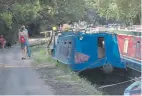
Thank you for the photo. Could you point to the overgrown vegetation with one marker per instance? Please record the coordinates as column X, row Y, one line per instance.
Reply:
column 60, row 73
column 40, row 15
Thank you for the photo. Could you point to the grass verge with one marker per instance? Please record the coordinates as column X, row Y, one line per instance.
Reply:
column 52, row 71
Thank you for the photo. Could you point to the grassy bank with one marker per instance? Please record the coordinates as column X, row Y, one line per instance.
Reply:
column 59, row 76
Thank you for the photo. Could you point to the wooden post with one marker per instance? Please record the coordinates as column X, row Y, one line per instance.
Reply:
column 45, row 35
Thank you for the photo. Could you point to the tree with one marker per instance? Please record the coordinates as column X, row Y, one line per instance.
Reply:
column 125, row 10
column 43, row 13
column 14, row 13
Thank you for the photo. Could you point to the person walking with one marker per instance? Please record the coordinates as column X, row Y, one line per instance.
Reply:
column 27, row 41
column 23, row 38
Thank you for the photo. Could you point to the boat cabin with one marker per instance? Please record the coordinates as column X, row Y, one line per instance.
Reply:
column 82, row 51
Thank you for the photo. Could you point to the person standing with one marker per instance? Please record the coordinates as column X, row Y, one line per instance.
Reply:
column 2, row 41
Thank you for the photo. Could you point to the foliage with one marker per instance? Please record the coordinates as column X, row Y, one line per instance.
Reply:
column 126, row 10
column 45, row 13
column 7, row 17
column 28, row 11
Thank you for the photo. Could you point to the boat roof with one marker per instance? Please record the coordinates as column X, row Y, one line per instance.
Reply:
column 82, row 33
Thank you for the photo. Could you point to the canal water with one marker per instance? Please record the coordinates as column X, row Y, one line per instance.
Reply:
column 99, row 78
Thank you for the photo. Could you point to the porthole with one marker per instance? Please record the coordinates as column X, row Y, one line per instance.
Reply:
column 138, row 55
column 70, row 42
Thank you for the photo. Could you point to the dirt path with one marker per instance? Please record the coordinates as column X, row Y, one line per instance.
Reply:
column 17, row 77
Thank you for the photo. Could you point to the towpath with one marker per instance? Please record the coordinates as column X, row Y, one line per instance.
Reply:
column 17, row 77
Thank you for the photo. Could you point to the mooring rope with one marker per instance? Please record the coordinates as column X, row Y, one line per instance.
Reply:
column 118, row 83
column 93, row 64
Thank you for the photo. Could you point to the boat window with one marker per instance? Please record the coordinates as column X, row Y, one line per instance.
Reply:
column 138, row 44
column 58, row 42
column 101, row 48
column 125, row 49
column 69, row 49
column 101, row 42
column 65, row 42
column 70, row 44
column 137, row 49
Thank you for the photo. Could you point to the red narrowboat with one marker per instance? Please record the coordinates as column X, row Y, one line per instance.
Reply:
column 130, row 50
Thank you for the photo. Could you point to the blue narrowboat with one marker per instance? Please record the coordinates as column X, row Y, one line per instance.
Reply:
column 82, row 51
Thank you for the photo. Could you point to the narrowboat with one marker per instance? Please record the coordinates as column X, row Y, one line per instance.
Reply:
column 134, row 89
column 130, row 50
column 81, row 51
